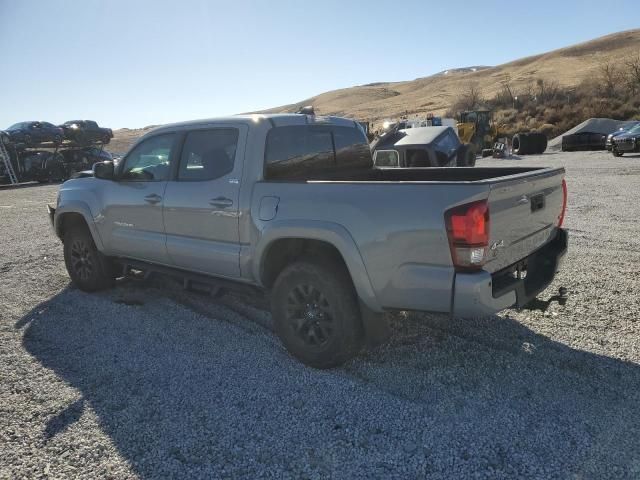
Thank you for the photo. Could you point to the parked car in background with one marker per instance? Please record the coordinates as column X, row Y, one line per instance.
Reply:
column 42, row 166
column 421, row 147
column 85, row 132
column 84, row 158
column 620, row 131
column 627, row 142
column 34, row 133
column 47, row 166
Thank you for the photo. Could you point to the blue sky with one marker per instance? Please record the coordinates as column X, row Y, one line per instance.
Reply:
column 129, row 63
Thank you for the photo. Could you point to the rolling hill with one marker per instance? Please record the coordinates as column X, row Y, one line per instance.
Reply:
column 436, row 93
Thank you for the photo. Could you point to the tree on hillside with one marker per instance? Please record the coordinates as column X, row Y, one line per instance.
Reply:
column 547, row 90
column 471, row 98
column 505, row 96
column 610, row 79
column 633, row 75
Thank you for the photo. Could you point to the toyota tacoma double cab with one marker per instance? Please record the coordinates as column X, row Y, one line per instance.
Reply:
column 292, row 205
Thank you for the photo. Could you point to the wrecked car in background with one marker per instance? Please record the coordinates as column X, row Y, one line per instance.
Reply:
column 31, row 133
column 84, row 132
column 421, row 147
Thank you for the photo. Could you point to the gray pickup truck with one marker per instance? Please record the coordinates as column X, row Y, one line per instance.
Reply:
column 292, row 205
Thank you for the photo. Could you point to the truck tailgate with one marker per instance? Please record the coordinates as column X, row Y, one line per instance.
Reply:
column 523, row 214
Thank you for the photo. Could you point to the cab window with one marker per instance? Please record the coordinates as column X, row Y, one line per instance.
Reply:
column 386, row 158
column 149, row 161
column 298, row 152
column 208, row 154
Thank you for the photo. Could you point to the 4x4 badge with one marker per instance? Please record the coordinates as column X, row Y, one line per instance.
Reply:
column 497, row 245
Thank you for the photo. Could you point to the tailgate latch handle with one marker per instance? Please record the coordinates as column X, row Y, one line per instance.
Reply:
column 537, row 202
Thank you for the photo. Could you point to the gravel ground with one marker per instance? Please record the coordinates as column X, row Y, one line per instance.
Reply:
column 147, row 381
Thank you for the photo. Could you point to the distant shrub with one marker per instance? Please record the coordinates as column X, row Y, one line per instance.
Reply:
column 613, row 92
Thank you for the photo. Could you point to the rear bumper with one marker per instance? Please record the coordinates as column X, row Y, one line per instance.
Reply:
column 484, row 293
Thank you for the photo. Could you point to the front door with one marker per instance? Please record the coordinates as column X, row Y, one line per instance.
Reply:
column 132, row 225
column 201, row 204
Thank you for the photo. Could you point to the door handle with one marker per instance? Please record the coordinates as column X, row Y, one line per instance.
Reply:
column 221, row 202
column 153, row 198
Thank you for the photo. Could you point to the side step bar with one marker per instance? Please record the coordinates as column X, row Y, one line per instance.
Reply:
column 191, row 281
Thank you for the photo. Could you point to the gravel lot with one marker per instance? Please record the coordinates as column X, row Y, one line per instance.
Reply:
column 148, row 381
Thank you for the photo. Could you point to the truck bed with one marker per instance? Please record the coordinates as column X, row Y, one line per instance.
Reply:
column 441, row 175
column 396, row 217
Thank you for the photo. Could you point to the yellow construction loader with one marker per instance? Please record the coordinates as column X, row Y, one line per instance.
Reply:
column 477, row 129
column 485, row 137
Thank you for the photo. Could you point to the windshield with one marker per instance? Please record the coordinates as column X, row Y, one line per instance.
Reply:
column 634, row 129
column 16, row 126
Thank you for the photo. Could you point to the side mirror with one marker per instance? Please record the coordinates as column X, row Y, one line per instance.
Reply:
column 103, row 170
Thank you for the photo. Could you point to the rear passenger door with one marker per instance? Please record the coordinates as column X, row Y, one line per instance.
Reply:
column 201, row 204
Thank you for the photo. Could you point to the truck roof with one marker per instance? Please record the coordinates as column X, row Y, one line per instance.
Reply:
column 276, row 119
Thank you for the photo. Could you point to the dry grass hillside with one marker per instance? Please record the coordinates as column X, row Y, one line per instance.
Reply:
column 565, row 68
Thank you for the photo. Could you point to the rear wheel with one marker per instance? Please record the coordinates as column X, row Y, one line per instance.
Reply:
column 316, row 314
column 88, row 268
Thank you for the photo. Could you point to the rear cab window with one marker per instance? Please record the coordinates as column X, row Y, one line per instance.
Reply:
column 306, row 152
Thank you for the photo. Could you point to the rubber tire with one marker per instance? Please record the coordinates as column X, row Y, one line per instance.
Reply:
column 335, row 284
column 521, row 144
column 103, row 274
column 616, row 153
column 538, row 143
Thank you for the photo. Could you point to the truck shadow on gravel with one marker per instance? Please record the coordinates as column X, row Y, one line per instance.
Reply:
column 181, row 394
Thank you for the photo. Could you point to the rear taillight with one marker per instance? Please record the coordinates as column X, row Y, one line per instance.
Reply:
column 564, row 203
column 468, row 232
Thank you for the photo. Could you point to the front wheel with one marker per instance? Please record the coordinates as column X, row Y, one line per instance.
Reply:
column 87, row 267
column 616, row 153
column 316, row 315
